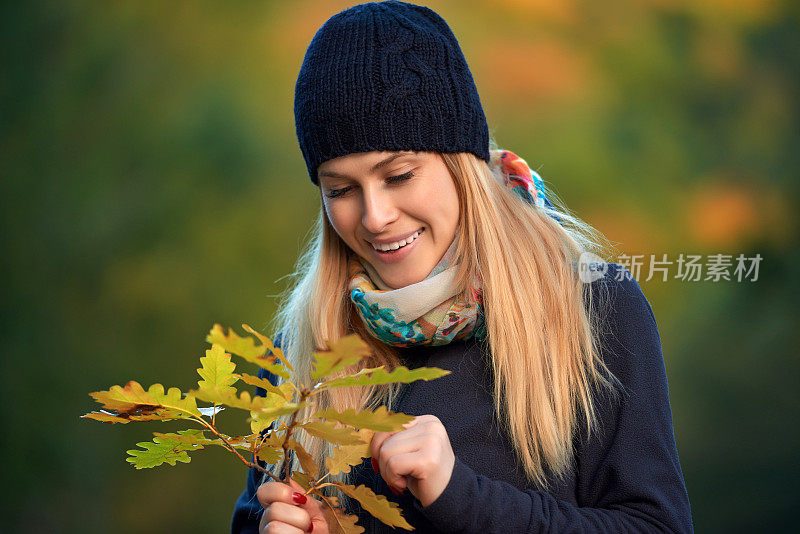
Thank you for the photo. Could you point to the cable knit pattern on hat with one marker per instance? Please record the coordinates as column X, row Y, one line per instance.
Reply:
column 386, row 76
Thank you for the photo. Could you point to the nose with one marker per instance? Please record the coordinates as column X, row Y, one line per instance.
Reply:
column 379, row 210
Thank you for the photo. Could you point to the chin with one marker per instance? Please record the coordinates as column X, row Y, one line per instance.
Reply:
column 403, row 281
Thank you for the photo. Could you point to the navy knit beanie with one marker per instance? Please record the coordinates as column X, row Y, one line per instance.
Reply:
column 386, row 76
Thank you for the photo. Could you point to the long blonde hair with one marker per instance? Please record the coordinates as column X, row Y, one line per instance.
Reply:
column 542, row 323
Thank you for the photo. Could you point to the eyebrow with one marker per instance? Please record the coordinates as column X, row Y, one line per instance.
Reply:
column 382, row 163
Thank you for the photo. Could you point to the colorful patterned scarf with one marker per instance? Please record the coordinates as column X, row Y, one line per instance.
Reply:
column 431, row 312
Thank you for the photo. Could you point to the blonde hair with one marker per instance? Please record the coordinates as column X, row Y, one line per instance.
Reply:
column 542, row 323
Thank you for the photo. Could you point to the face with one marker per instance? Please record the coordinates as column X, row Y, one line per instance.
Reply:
column 397, row 210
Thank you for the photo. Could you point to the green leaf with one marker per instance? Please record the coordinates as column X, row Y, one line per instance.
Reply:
column 160, row 451
column 381, row 420
column 343, row 352
column 195, row 439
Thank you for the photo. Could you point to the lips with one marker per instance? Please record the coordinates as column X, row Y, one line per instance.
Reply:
column 399, row 254
column 396, row 245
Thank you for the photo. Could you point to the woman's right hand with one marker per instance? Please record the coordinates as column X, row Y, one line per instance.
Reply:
column 288, row 511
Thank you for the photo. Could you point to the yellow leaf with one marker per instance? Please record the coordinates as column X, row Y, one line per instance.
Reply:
column 271, row 449
column 380, row 376
column 270, row 455
column 330, row 432
column 377, row 505
column 306, row 460
column 123, row 399
column 345, row 456
column 380, row 420
column 148, row 414
column 341, row 523
column 247, row 349
column 342, row 353
column 273, row 412
column 217, row 374
column 133, row 400
column 244, row 401
column 241, row 346
column 174, row 399
column 270, row 346
column 302, row 479
column 285, row 390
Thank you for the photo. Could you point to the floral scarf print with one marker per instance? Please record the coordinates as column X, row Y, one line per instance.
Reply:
column 431, row 312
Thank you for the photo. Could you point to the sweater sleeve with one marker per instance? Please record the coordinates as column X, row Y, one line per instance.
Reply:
column 247, row 512
column 628, row 475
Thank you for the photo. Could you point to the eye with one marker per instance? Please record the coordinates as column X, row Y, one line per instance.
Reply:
column 400, row 177
column 334, row 193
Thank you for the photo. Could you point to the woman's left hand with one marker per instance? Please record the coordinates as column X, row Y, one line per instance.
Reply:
column 419, row 458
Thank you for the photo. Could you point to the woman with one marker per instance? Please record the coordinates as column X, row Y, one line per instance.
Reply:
column 441, row 252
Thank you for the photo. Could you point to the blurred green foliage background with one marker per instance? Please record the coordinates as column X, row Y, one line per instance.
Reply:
column 152, row 185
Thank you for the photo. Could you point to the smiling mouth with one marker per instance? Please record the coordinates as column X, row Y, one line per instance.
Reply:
column 398, row 245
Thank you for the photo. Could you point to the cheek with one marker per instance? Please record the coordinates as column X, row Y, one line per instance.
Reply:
column 343, row 220
column 445, row 206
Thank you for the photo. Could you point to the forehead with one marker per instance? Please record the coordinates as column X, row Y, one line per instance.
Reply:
column 363, row 163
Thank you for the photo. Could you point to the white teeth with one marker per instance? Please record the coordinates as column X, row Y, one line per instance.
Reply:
column 397, row 244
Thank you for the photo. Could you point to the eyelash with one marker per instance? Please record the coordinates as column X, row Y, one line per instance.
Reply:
column 336, row 193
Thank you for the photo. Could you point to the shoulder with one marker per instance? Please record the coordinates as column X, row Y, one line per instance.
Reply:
column 618, row 294
column 618, row 301
column 626, row 326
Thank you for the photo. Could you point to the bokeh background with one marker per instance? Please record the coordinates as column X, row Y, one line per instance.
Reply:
column 152, row 185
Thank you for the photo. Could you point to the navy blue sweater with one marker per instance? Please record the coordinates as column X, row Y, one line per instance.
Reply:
column 626, row 478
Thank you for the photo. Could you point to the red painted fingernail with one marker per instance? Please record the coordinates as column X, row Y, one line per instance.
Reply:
column 299, row 498
column 375, row 466
column 311, row 527
column 395, row 490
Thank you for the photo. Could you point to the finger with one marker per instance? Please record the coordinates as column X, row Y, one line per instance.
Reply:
column 408, row 441
column 413, row 421
column 380, row 437
column 377, row 440
column 290, row 514
column 278, row 527
column 270, row 492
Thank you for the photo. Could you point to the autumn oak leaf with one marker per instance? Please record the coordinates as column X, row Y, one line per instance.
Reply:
column 342, row 353
column 377, row 505
column 380, row 420
column 380, row 376
column 246, row 348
